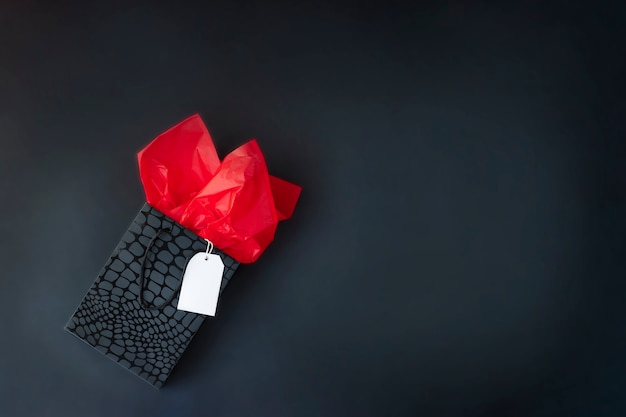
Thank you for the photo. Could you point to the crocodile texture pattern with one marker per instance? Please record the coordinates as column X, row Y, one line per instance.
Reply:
column 110, row 318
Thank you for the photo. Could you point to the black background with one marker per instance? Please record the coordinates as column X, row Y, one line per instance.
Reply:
column 458, row 249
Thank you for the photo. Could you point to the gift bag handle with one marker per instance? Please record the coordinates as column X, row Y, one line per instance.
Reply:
column 142, row 277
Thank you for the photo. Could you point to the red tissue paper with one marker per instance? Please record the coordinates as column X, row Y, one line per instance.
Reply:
column 234, row 203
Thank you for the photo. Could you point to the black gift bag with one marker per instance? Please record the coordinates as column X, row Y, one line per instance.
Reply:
column 129, row 313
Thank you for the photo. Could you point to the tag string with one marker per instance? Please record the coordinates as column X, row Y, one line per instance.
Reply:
column 209, row 249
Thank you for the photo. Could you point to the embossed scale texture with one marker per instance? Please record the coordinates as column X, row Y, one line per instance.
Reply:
column 147, row 342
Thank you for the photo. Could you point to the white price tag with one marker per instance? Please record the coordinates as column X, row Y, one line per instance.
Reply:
column 201, row 284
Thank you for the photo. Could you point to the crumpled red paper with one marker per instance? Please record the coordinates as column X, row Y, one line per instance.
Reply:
column 234, row 203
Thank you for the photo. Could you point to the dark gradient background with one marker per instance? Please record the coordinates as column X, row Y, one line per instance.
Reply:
column 459, row 246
